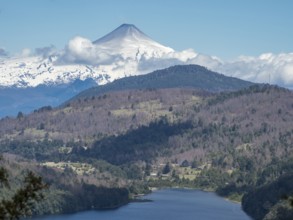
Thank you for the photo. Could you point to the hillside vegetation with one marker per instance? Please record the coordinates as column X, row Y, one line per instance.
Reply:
column 94, row 117
column 181, row 76
column 74, row 187
column 235, row 143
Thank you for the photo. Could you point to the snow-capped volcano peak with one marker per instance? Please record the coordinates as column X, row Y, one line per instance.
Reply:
column 124, row 31
column 130, row 42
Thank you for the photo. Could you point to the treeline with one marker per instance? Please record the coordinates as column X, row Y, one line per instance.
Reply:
column 81, row 197
column 253, row 89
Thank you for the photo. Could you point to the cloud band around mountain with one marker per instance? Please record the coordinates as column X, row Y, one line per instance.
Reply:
column 80, row 50
column 266, row 68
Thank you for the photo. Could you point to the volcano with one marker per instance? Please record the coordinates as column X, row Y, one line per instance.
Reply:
column 131, row 43
column 124, row 31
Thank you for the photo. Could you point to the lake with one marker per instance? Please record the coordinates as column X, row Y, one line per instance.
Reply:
column 171, row 204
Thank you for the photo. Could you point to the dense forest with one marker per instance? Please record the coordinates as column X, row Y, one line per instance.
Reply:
column 238, row 144
column 69, row 190
column 272, row 199
column 95, row 117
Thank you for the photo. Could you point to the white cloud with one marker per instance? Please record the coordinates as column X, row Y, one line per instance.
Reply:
column 266, row 68
column 151, row 64
column 205, row 60
column 82, row 50
column 26, row 52
column 287, row 75
column 179, row 58
column 183, row 56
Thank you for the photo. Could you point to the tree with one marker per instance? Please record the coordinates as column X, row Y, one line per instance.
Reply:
column 185, row 163
column 289, row 199
column 194, row 164
column 20, row 115
column 148, row 169
column 20, row 203
column 166, row 169
column 3, row 177
column 42, row 126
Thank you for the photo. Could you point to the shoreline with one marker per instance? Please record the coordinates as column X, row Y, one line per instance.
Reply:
column 153, row 189
column 137, row 199
column 184, row 192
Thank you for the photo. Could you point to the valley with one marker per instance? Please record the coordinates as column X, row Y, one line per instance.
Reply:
column 146, row 110
column 134, row 140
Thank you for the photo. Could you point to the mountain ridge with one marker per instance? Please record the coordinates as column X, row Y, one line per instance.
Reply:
column 193, row 76
column 25, row 100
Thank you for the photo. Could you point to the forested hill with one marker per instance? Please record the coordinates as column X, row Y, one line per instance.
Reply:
column 237, row 142
column 192, row 76
column 271, row 201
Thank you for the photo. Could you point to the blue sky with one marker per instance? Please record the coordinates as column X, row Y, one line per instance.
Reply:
column 224, row 28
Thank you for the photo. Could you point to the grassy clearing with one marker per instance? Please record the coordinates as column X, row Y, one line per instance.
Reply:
column 187, row 173
column 123, row 112
column 35, row 132
column 78, row 168
column 152, row 109
column 182, row 172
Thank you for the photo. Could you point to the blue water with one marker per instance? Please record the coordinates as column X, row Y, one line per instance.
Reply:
column 171, row 204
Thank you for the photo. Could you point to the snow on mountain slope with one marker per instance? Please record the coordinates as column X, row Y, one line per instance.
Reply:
column 34, row 71
column 130, row 42
column 123, row 52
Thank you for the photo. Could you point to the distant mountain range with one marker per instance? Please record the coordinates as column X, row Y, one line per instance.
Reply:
column 27, row 83
column 116, row 55
column 14, row 100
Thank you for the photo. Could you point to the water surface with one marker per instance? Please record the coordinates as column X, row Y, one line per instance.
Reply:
column 171, row 204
